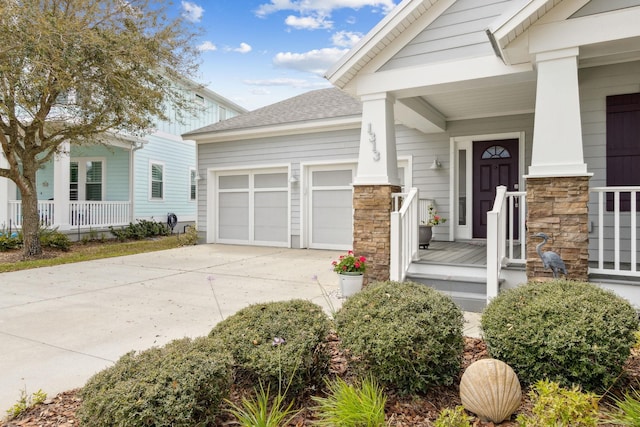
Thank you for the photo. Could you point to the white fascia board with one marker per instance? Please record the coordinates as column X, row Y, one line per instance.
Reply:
column 434, row 78
column 604, row 27
column 298, row 128
column 514, row 17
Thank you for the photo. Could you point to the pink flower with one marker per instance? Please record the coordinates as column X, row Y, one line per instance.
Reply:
column 344, row 267
column 350, row 252
column 363, row 259
column 356, row 264
column 334, row 263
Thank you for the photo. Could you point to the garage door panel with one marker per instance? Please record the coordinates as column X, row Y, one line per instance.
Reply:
column 332, row 217
column 234, row 216
column 271, row 216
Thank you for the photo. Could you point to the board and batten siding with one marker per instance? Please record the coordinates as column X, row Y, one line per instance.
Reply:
column 458, row 33
column 329, row 146
column 177, row 157
column 595, row 85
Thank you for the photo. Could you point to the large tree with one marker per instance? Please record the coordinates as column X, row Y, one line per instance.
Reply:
column 75, row 71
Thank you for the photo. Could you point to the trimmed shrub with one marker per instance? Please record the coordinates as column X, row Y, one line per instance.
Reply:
column 406, row 335
column 141, row 230
column 568, row 332
column 278, row 344
column 54, row 239
column 180, row 384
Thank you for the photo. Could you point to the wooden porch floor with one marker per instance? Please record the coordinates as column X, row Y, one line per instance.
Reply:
column 470, row 252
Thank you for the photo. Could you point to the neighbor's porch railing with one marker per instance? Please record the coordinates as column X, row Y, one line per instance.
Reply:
column 82, row 214
column 501, row 241
column 616, row 252
column 404, row 233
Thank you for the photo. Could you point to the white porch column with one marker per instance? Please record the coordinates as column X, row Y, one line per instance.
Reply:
column 61, row 181
column 377, row 159
column 557, row 135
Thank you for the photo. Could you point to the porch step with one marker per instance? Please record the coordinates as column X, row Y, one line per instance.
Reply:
column 466, row 284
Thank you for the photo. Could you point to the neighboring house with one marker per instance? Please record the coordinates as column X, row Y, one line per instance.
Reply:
column 523, row 107
column 125, row 179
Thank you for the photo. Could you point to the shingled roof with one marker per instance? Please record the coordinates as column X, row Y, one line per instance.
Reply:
column 314, row 105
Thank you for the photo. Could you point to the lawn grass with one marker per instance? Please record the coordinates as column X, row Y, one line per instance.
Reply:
column 94, row 250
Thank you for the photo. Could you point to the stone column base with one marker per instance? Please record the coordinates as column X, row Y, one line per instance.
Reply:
column 557, row 206
column 371, row 228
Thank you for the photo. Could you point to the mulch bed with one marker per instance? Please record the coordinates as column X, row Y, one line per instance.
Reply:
column 401, row 411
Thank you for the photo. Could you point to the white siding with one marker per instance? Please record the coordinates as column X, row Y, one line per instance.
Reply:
column 458, row 33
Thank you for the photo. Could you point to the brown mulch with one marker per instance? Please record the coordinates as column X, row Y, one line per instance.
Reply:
column 401, row 411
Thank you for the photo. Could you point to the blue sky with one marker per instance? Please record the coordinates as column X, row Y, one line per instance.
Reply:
column 257, row 52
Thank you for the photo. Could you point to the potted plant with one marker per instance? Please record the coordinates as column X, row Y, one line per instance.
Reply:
column 350, row 269
column 425, row 229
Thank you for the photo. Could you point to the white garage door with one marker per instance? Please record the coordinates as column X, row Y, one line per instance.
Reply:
column 253, row 207
column 330, row 207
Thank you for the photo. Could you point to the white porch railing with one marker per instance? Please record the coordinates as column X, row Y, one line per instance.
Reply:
column 98, row 214
column 617, row 247
column 501, row 240
column 404, row 233
column 45, row 211
column 82, row 214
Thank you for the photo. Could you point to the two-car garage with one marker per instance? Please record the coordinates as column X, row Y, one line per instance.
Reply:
column 255, row 206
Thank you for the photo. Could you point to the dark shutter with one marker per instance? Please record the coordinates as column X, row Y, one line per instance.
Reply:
column 623, row 145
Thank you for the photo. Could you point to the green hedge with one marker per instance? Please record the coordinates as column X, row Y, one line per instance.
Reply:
column 280, row 344
column 179, row 385
column 563, row 331
column 406, row 335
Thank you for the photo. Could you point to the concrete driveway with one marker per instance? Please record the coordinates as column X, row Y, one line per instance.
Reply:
column 60, row 325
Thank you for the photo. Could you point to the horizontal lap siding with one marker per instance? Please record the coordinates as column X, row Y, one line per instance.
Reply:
column 177, row 158
column 595, row 85
column 458, row 33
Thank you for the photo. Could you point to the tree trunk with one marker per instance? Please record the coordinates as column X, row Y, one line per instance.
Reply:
column 30, row 222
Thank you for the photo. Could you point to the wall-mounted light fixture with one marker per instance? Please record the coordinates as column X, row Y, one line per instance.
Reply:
column 293, row 179
column 436, row 164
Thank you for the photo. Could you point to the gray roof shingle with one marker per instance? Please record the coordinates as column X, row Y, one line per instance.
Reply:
column 314, row 105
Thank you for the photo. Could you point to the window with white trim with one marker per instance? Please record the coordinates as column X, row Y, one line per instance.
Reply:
column 192, row 184
column 86, row 181
column 156, row 179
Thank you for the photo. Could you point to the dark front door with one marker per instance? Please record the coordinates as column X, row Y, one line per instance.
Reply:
column 494, row 163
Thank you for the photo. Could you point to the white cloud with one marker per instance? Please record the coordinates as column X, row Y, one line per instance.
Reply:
column 315, row 61
column 308, row 22
column 260, row 91
column 278, row 82
column 321, row 6
column 191, row 11
column 244, row 48
column 207, row 47
column 345, row 38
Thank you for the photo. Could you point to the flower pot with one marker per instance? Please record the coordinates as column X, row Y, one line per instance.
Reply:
column 425, row 233
column 350, row 283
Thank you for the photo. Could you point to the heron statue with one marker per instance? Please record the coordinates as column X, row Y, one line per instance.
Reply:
column 550, row 259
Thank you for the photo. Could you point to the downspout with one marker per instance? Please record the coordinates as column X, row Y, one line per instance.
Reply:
column 135, row 146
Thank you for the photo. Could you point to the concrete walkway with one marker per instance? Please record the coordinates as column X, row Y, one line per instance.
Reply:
column 60, row 325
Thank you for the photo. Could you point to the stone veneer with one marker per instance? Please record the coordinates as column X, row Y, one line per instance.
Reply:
column 557, row 206
column 372, row 228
